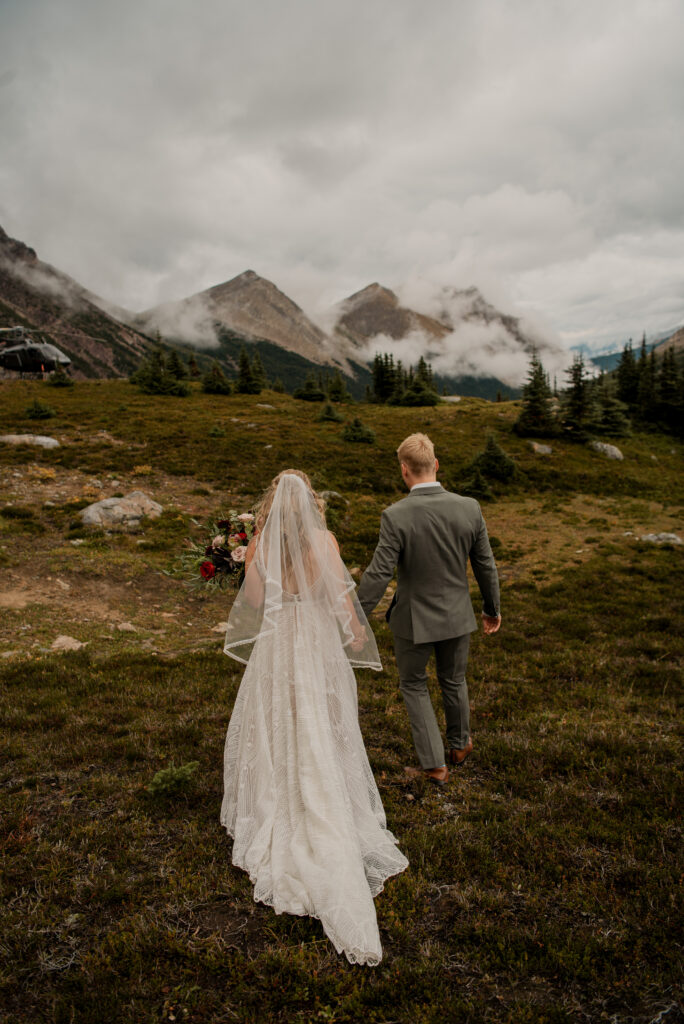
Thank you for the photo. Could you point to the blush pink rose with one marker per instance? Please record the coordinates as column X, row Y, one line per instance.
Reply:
column 238, row 555
column 246, row 517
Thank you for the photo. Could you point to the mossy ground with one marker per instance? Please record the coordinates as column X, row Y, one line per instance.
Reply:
column 544, row 882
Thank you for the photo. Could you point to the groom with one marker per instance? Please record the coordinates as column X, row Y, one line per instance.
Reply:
column 430, row 535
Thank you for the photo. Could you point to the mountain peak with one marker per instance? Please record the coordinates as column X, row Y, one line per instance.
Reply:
column 247, row 305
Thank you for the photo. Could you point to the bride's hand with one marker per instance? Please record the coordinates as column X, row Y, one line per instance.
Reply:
column 359, row 640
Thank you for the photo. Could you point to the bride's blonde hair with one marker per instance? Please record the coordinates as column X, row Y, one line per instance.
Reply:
column 264, row 506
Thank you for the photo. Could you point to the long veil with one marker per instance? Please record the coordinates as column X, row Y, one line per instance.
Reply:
column 297, row 560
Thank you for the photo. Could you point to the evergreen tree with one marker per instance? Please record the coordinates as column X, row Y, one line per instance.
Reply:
column 612, row 418
column 330, row 414
column 337, row 389
column 176, row 366
column 246, row 384
column 259, row 373
column 670, row 393
column 476, row 487
column 627, row 377
column 578, row 404
column 493, row 462
column 647, row 399
column 310, row 391
column 192, row 365
column 215, row 382
column 278, row 386
column 153, row 377
column 537, row 418
column 358, row 432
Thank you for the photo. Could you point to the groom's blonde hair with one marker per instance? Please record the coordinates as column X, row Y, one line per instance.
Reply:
column 418, row 453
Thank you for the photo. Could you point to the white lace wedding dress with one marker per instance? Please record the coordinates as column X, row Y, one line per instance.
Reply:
column 300, row 800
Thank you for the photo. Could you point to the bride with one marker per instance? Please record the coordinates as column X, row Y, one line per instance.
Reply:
column 300, row 800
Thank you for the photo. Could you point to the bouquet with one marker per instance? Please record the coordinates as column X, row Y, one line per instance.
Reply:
column 220, row 560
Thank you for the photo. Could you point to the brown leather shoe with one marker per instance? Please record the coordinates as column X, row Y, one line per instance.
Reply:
column 438, row 776
column 457, row 757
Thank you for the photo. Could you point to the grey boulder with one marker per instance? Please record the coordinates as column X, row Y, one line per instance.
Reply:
column 609, row 450
column 38, row 439
column 123, row 513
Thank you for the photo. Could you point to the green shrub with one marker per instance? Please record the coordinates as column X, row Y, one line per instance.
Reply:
column 329, row 414
column 60, row 378
column 173, row 780
column 39, row 411
column 493, row 462
column 358, row 432
column 476, row 487
column 215, row 382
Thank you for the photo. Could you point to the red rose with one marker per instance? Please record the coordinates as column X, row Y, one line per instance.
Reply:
column 242, row 536
column 207, row 570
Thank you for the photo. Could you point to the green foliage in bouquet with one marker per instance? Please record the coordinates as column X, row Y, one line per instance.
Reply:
column 219, row 560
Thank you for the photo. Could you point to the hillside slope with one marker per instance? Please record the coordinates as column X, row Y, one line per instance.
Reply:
column 37, row 295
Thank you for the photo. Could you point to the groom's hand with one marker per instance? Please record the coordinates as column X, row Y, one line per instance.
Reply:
column 490, row 623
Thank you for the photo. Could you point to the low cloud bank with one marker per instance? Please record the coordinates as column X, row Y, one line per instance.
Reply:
column 190, row 321
column 483, row 341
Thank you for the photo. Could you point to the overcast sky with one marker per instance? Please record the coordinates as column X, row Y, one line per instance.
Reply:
column 152, row 148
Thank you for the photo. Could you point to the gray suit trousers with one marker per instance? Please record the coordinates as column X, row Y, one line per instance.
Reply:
column 451, row 657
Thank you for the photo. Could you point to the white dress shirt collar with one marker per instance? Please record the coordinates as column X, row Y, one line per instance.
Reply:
column 430, row 483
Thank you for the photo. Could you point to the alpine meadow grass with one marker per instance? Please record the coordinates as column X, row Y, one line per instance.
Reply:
column 545, row 880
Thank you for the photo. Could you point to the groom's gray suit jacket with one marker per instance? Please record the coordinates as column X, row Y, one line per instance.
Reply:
column 429, row 536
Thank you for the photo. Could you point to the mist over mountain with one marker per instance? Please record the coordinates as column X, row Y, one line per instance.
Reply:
column 457, row 330
column 38, row 296
column 473, row 346
column 248, row 306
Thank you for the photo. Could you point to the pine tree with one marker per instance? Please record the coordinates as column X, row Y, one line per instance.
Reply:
column 647, row 398
column 215, row 382
column 310, row 391
column 537, row 418
column 577, row 402
column 612, row 417
column 259, row 373
column 176, row 366
column 153, row 377
column 337, row 389
column 627, row 377
column 330, row 414
column 192, row 365
column 670, row 393
column 278, row 386
column 358, row 432
column 246, row 384
column 493, row 462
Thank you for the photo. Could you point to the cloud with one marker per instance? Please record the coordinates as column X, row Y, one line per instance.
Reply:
column 190, row 321
column 47, row 282
column 152, row 150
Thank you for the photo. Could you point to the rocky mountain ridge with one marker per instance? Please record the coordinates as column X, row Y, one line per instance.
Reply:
column 36, row 295
column 248, row 306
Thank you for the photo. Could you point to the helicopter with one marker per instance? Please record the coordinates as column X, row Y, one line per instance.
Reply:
column 29, row 357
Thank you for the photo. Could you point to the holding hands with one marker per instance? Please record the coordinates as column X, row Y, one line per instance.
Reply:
column 490, row 623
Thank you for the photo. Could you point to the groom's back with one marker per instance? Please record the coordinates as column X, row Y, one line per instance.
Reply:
column 437, row 533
